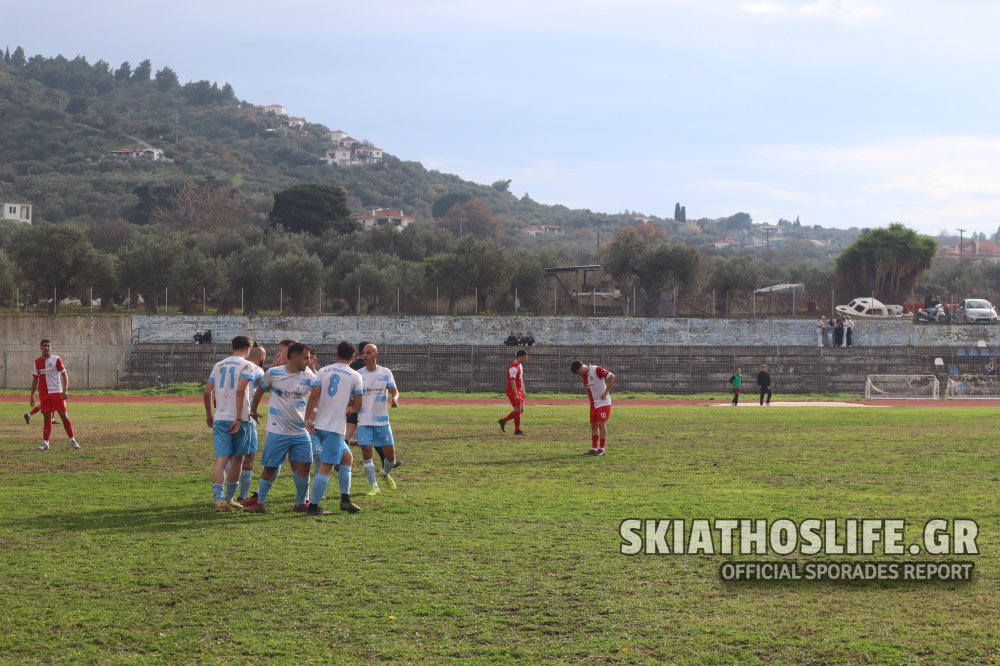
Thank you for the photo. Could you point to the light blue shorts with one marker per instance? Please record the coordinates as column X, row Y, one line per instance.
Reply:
column 254, row 438
column 333, row 447
column 298, row 448
column 377, row 436
column 227, row 444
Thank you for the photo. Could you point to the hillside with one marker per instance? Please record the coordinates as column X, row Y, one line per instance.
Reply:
column 61, row 118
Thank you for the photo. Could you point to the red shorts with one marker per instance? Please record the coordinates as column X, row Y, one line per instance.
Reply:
column 53, row 402
column 515, row 400
column 600, row 414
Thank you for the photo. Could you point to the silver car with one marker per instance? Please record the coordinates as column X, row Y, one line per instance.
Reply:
column 976, row 311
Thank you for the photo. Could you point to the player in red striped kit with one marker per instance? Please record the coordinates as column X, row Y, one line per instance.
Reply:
column 515, row 392
column 50, row 379
column 598, row 383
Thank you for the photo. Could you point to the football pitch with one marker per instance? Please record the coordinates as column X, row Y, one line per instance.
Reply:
column 494, row 549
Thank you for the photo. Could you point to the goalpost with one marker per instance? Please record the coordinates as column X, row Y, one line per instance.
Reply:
column 973, row 387
column 902, row 387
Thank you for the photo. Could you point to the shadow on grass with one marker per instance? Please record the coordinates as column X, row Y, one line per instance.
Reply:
column 169, row 519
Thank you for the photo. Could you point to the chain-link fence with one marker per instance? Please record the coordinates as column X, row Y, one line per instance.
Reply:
column 673, row 370
column 468, row 300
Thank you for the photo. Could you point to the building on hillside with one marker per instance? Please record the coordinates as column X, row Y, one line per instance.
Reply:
column 17, row 212
column 368, row 154
column 973, row 250
column 339, row 157
column 542, row 230
column 276, row 109
column 295, row 123
column 348, row 151
column 384, row 217
column 728, row 241
column 136, row 153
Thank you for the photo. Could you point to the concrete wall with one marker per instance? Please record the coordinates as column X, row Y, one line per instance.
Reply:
column 556, row 331
column 92, row 348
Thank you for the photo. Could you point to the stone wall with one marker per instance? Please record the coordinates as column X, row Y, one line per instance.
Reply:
column 556, row 331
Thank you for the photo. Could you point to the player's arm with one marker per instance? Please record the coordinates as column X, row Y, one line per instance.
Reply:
column 311, row 406
column 65, row 381
column 609, row 381
column 241, row 401
column 258, row 394
column 207, row 398
column 394, row 395
column 512, row 389
column 34, row 387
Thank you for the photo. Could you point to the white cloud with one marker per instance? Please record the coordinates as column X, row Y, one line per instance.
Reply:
column 847, row 11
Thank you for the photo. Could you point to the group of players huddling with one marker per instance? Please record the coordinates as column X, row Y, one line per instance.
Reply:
column 310, row 414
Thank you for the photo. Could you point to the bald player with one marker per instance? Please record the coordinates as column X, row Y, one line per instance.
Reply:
column 374, row 430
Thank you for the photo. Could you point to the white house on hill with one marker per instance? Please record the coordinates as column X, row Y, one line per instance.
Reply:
column 384, row 217
column 17, row 212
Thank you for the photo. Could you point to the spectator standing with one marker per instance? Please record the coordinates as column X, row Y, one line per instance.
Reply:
column 764, row 383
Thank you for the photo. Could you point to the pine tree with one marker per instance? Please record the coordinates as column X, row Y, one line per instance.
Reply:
column 677, row 212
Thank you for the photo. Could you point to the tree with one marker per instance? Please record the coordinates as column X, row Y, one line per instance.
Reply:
column 166, row 79
column 473, row 264
column 142, row 71
column 501, row 185
column 208, row 207
column 677, row 213
column 77, row 106
column 443, row 203
column 653, row 268
column 17, row 59
column 313, row 209
column 124, row 72
column 59, row 258
column 887, row 261
column 296, row 277
column 472, row 218
column 246, row 279
column 144, row 266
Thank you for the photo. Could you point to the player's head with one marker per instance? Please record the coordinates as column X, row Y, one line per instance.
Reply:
column 763, row 367
column 361, row 347
column 370, row 354
column 257, row 354
column 738, row 370
column 578, row 368
column 283, row 351
column 241, row 343
column 345, row 351
column 521, row 356
column 297, row 356
column 45, row 346
column 311, row 357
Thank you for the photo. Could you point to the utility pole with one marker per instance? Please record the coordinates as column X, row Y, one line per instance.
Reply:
column 177, row 127
column 961, row 239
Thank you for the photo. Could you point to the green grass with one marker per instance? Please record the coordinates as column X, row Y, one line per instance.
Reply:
column 194, row 389
column 493, row 550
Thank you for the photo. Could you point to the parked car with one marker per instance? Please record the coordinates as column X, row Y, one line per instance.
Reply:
column 976, row 311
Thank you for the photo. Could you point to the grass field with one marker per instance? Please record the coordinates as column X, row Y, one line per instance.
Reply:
column 494, row 549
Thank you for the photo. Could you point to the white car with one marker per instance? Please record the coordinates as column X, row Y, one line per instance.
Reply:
column 976, row 311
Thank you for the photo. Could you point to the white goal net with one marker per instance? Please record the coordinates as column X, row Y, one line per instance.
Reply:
column 973, row 387
column 902, row 387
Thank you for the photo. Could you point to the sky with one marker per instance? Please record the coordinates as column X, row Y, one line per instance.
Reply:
column 844, row 113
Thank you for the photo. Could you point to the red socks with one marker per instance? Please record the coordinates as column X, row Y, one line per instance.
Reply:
column 47, row 430
column 602, row 442
column 594, row 439
column 69, row 427
column 517, row 420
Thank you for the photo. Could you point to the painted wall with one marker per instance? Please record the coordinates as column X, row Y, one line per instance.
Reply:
column 555, row 331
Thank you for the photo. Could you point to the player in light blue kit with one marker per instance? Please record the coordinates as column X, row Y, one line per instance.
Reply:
column 373, row 419
column 335, row 393
column 257, row 357
column 290, row 385
column 230, row 425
